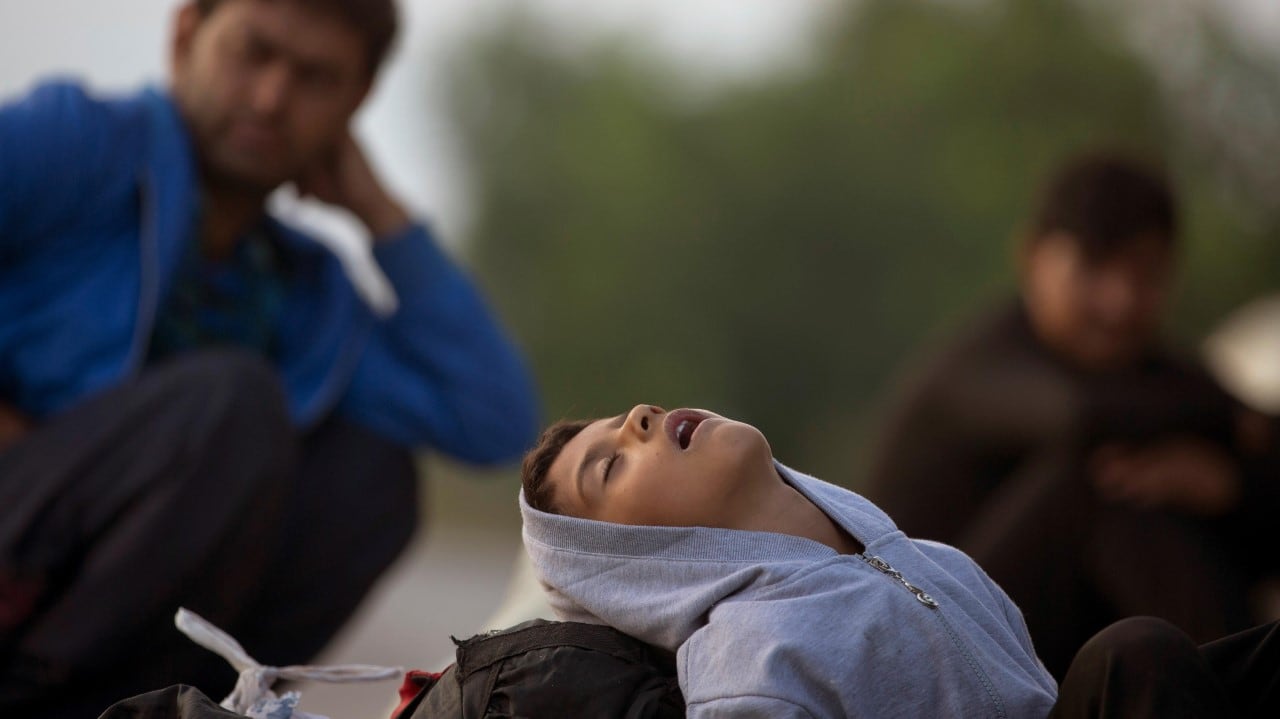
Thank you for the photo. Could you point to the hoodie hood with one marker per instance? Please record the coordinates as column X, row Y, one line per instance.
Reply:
column 769, row 624
column 659, row 583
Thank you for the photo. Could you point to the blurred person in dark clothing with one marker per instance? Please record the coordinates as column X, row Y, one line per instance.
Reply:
column 196, row 406
column 1094, row 472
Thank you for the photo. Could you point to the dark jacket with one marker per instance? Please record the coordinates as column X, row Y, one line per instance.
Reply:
column 995, row 397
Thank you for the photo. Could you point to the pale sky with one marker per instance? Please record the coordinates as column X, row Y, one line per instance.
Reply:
column 120, row 44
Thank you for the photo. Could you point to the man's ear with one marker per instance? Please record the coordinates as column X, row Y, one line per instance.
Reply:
column 185, row 23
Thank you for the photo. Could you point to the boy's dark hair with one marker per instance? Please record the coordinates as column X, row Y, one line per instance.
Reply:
column 375, row 20
column 1105, row 201
column 538, row 493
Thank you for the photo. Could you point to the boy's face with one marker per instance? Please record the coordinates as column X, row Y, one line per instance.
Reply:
column 1099, row 313
column 685, row 468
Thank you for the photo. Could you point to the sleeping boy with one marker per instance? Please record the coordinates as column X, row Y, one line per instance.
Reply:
column 782, row 595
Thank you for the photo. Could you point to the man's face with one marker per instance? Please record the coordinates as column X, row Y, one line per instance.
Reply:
column 685, row 468
column 266, row 86
column 1098, row 313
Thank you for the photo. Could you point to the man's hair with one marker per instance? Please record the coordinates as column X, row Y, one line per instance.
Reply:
column 375, row 20
column 538, row 492
column 1105, row 201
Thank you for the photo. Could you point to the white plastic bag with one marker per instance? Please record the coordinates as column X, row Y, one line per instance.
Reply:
column 253, row 696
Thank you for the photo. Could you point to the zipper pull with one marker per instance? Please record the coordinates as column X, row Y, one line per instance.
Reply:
column 885, row 568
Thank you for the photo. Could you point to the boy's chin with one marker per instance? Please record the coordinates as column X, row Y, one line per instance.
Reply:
column 752, row 451
column 747, row 440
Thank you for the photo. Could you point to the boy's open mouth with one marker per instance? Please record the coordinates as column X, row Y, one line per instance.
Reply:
column 680, row 424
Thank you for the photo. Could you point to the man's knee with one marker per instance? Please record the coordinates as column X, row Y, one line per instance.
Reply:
column 400, row 470
column 1141, row 667
column 225, row 406
column 217, row 372
column 1136, row 644
column 223, row 382
column 367, row 481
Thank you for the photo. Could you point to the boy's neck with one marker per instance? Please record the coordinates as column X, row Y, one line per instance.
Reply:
column 798, row 516
column 834, row 535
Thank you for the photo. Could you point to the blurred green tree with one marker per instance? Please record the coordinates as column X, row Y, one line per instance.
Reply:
column 777, row 249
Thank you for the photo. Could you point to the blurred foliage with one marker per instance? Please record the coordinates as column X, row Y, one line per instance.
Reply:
column 777, row 249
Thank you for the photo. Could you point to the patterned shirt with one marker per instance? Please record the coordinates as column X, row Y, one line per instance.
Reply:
column 231, row 302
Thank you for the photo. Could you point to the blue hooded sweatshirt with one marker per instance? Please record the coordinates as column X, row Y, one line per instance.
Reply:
column 99, row 200
column 772, row 625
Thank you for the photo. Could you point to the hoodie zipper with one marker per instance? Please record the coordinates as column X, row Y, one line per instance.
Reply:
column 885, row 568
column 923, row 597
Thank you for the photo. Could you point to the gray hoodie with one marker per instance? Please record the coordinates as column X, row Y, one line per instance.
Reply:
column 771, row 625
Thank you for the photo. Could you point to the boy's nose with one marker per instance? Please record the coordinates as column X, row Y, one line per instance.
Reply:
column 643, row 418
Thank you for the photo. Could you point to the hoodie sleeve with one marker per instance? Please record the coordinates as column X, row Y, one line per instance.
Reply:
column 56, row 151
column 441, row 372
column 747, row 707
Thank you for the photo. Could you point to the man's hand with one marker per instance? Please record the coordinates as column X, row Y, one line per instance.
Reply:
column 14, row 425
column 1187, row 475
column 344, row 178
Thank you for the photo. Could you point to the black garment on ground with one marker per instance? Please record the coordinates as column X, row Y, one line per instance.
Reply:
column 186, row 486
column 553, row 669
column 988, row 451
column 1138, row 668
column 1145, row 668
column 176, row 702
